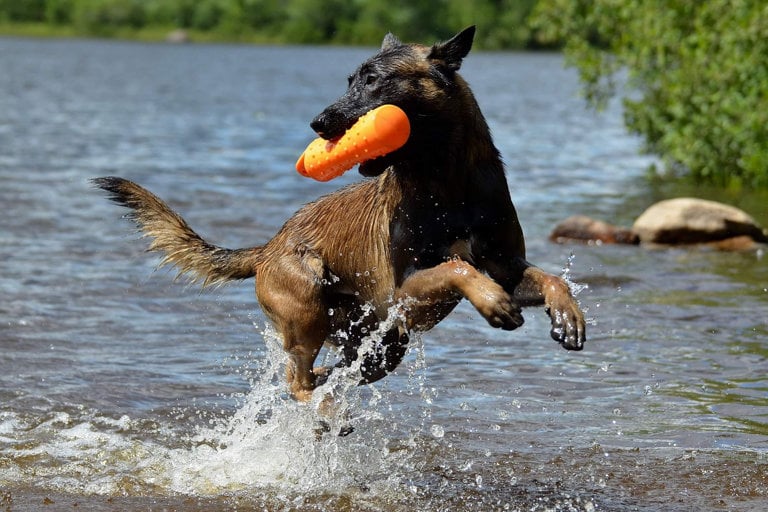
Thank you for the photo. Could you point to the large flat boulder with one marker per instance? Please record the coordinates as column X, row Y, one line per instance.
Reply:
column 687, row 220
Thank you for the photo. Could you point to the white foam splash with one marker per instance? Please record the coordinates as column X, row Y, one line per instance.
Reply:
column 270, row 443
column 577, row 288
column 274, row 441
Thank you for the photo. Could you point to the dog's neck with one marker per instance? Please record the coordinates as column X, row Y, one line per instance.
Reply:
column 453, row 155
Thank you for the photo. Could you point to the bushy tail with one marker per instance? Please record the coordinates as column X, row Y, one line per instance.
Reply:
column 183, row 248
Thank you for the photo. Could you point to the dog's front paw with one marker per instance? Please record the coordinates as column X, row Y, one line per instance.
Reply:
column 568, row 326
column 506, row 315
column 497, row 307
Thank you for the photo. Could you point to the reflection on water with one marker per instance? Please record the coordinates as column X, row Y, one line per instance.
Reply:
column 122, row 388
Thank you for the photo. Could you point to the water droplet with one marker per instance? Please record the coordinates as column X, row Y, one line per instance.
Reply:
column 437, row 431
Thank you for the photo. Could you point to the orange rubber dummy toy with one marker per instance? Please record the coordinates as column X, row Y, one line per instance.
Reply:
column 377, row 133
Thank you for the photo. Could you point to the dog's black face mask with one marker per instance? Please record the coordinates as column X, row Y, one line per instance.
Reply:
column 370, row 86
column 416, row 78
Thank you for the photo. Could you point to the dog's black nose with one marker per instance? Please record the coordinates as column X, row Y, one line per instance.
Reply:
column 318, row 125
column 332, row 123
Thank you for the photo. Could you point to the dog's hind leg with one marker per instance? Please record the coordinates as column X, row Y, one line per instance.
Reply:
column 385, row 356
column 289, row 290
column 299, row 373
column 377, row 359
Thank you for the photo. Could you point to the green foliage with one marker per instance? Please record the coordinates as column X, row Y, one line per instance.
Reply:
column 25, row 10
column 501, row 22
column 104, row 17
column 58, row 12
column 697, row 76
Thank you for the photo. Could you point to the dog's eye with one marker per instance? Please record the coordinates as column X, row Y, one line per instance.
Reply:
column 371, row 79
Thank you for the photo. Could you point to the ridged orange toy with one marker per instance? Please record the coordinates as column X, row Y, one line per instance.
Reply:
column 377, row 133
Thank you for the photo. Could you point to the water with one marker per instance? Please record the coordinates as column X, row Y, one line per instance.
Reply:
column 123, row 389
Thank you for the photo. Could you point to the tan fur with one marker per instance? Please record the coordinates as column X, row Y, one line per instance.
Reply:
column 180, row 245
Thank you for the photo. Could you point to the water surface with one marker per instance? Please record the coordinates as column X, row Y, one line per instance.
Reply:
column 121, row 388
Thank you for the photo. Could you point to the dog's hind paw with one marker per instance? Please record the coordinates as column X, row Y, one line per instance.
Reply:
column 323, row 427
column 346, row 430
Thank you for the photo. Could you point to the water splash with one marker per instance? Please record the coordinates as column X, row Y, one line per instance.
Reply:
column 576, row 288
column 274, row 441
column 270, row 444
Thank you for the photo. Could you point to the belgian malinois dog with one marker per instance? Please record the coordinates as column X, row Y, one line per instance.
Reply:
column 433, row 224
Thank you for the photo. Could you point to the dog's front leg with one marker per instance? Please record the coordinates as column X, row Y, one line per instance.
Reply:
column 430, row 294
column 531, row 286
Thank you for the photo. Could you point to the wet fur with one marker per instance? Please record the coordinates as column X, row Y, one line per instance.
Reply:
column 433, row 226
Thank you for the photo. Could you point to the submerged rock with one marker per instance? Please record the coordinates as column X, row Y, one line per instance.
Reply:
column 593, row 231
column 680, row 221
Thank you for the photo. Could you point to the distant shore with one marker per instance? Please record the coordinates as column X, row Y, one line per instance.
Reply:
column 145, row 34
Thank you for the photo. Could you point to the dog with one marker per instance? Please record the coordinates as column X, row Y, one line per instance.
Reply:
column 433, row 224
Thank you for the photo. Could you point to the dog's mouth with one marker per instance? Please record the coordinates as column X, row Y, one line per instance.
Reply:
column 331, row 137
column 374, row 167
column 331, row 127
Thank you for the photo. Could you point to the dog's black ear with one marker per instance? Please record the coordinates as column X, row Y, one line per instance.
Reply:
column 453, row 51
column 390, row 41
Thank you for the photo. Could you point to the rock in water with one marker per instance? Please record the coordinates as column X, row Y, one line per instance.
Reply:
column 580, row 228
column 687, row 220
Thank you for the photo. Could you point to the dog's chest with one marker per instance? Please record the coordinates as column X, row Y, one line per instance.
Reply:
column 429, row 234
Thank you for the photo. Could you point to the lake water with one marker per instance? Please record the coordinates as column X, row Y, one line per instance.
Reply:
column 122, row 389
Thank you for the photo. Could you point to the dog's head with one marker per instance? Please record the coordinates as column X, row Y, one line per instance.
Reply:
column 419, row 79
